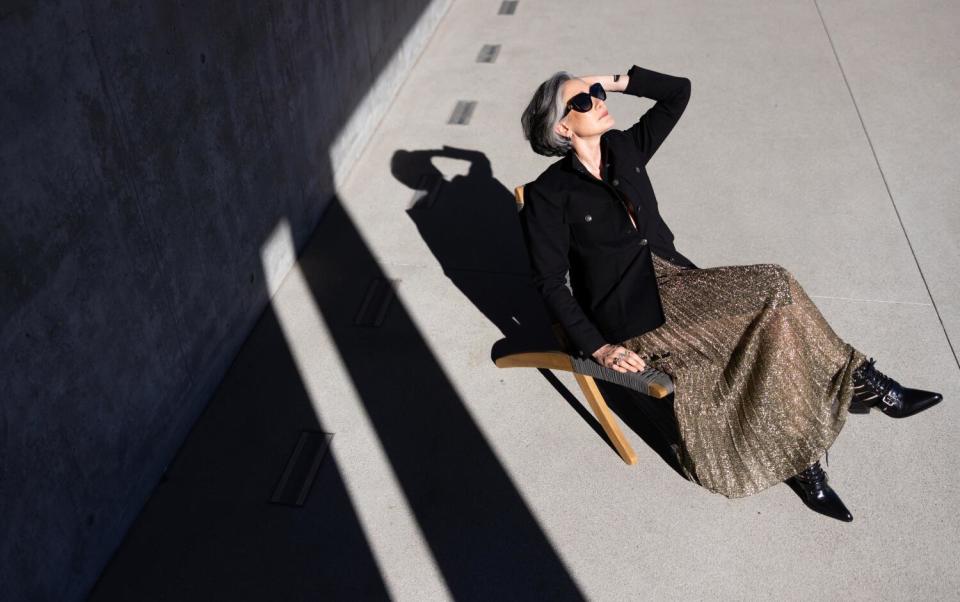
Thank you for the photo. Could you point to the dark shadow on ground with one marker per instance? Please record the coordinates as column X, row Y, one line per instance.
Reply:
column 208, row 531
column 470, row 225
column 258, row 124
column 483, row 537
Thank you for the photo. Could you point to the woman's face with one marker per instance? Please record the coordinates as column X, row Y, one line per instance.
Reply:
column 594, row 122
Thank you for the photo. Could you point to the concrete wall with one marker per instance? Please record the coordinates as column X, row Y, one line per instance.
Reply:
column 147, row 150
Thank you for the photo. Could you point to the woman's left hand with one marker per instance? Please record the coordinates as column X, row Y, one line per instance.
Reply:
column 607, row 82
column 620, row 358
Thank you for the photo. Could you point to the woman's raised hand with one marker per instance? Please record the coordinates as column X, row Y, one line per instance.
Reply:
column 607, row 82
column 619, row 358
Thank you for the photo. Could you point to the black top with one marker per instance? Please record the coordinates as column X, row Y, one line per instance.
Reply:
column 575, row 222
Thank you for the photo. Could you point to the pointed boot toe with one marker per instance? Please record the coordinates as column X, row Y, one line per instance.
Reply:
column 913, row 402
column 827, row 502
column 874, row 388
column 811, row 485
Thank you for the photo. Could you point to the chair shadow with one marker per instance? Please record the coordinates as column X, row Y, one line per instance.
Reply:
column 470, row 225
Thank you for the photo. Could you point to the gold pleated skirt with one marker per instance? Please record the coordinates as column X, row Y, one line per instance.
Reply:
column 762, row 384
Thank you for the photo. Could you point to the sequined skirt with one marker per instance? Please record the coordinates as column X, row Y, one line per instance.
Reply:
column 762, row 384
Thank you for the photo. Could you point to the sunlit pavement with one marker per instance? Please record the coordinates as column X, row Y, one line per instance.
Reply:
column 821, row 136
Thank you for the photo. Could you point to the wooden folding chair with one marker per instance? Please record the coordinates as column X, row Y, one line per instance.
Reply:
column 650, row 382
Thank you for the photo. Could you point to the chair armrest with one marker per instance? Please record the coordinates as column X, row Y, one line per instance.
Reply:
column 650, row 382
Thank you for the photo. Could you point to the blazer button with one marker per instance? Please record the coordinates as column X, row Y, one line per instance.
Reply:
column 616, row 182
column 587, row 217
column 643, row 241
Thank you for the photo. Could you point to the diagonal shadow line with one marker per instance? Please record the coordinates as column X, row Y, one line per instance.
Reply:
column 255, row 126
column 575, row 404
column 484, row 539
column 256, row 130
column 470, row 225
column 208, row 531
column 650, row 418
column 644, row 415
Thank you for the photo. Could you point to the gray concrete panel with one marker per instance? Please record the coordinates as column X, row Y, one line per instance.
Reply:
column 900, row 60
column 148, row 151
column 93, row 367
column 438, row 455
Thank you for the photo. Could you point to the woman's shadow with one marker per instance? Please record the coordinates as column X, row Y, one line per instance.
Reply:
column 471, row 226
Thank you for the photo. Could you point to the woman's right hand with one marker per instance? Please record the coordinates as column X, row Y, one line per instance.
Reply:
column 619, row 358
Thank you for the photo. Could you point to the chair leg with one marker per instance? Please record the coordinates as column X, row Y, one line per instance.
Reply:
column 599, row 406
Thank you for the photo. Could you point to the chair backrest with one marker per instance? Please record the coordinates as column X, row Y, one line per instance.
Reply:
column 518, row 195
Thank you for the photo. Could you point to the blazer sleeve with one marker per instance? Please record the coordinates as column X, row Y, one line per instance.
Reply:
column 671, row 93
column 548, row 243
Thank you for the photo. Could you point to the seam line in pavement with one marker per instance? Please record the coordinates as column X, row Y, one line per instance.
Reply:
column 870, row 300
column 885, row 185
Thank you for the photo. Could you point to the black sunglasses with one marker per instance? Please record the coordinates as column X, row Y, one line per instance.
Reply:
column 583, row 101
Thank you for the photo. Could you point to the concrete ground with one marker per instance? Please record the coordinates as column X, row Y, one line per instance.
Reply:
column 820, row 135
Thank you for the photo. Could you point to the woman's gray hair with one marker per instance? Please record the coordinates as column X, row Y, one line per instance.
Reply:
column 542, row 114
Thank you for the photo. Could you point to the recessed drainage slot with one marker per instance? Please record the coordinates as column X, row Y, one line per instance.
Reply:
column 488, row 53
column 462, row 112
column 375, row 304
column 301, row 469
column 508, row 7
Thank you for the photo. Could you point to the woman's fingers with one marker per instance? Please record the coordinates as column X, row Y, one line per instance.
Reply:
column 635, row 362
column 638, row 361
column 612, row 361
column 622, row 359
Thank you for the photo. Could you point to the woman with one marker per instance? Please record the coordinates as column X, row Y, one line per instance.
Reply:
column 762, row 383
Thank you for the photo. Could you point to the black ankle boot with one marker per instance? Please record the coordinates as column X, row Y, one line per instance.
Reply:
column 874, row 388
column 811, row 485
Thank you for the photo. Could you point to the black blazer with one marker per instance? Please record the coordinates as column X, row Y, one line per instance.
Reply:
column 575, row 223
